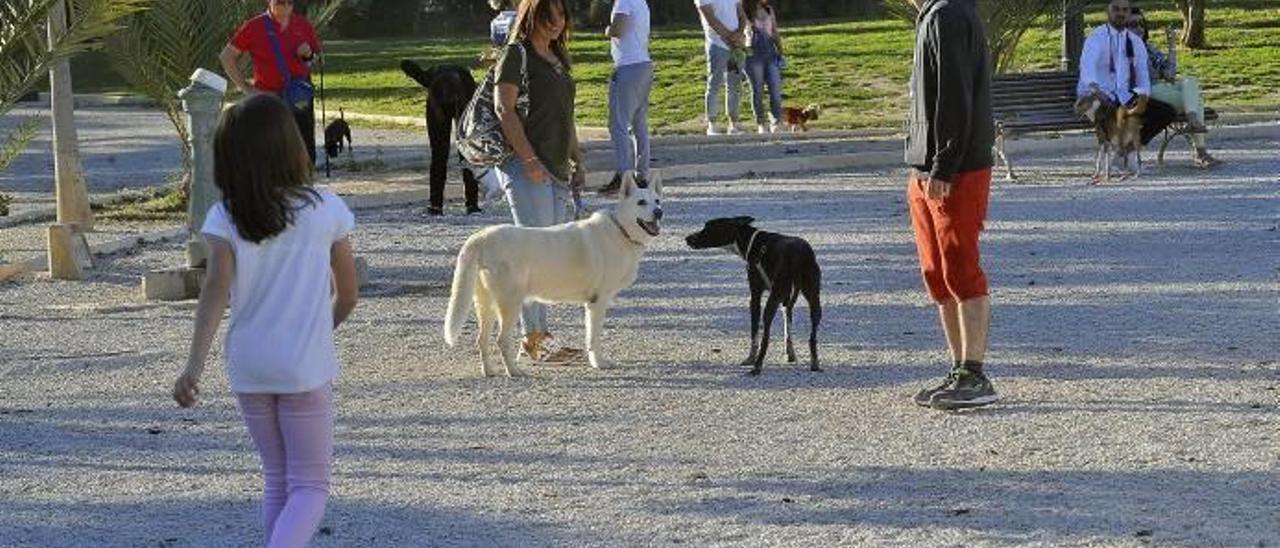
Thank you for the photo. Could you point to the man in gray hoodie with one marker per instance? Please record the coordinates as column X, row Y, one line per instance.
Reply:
column 949, row 138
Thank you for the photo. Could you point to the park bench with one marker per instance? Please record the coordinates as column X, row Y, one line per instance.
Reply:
column 1042, row 102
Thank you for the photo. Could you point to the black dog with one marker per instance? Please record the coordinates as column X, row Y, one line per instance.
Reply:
column 784, row 265
column 449, row 89
column 334, row 133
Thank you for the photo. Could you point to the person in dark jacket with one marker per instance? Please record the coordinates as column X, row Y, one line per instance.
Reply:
column 948, row 149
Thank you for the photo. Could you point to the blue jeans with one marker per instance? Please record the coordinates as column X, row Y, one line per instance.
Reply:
column 717, row 71
column 535, row 204
column 629, row 116
column 763, row 70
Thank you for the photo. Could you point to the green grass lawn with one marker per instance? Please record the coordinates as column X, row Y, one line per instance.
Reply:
column 856, row 70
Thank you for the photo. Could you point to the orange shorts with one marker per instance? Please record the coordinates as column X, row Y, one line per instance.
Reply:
column 947, row 235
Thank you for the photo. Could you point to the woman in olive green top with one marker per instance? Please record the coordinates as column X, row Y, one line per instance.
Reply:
column 547, row 166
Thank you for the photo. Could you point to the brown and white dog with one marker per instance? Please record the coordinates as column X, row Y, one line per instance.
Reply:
column 796, row 118
column 1119, row 132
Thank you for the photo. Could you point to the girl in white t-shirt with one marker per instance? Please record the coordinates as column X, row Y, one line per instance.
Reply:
column 279, row 253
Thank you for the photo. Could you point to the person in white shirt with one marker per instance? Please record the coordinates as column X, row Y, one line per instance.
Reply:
column 280, row 256
column 629, row 88
column 724, row 25
column 1114, row 61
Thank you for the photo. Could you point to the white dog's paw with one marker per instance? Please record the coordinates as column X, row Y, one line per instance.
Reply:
column 600, row 362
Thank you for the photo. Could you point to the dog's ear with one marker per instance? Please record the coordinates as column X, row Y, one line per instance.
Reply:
column 416, row 72
column 743, row 220
column 628, row 184
column 655, row 181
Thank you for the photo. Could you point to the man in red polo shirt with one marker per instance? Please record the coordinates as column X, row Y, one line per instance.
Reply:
column 298, row 45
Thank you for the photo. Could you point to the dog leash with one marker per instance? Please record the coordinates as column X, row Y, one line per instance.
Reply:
column 746, row 256
column 323, row 116
column 614, row 218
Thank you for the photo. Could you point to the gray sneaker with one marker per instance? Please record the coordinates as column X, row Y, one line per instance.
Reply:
column 922, row 397
column 967, row 389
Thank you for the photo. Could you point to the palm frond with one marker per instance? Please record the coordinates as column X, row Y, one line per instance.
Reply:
column 28, row 49
column 16, row 141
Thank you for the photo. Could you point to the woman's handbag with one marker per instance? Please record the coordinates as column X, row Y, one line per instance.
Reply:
column 480, row 138
column 298, row 92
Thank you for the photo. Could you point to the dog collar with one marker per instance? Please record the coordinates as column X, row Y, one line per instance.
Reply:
column 746, row 253
column 625, row 234
column 746, row 256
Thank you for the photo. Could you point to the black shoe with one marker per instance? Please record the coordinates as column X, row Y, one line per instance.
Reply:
column 474, row 209
column 967, row 389
column 922, row 397
column 613, row 187
column 435, row 211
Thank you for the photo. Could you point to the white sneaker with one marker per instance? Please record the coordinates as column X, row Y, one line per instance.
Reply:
column 762, row 129
column 711, row 130
column 775, row 128
column 734, row 129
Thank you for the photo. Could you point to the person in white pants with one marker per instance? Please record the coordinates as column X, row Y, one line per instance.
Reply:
column 1181, row 92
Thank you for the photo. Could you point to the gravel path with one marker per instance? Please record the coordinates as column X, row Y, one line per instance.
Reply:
column 1133, row 337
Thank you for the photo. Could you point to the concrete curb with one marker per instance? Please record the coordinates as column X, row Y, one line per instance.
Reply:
column 112, row 247
column 99, row 100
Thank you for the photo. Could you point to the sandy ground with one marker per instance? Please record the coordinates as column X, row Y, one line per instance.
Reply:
column 1133, row 338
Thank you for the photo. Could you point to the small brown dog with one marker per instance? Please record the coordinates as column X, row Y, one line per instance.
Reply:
column 796, row 118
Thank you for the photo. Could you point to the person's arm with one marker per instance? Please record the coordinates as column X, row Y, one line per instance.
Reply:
column 617, row 25
column 214, row 296
column 230, row 59
column 310, row 47
column 954, row 60
column 1142, row 65
column 1088, row 64
column 345, row 288
column 509, row 69
column 739, row 36
column 579, row 177
column 773, row 29
column 709, row 13
column 513, row 130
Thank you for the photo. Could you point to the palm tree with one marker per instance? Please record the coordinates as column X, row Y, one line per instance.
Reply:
column 160, row 48
column 27, row 51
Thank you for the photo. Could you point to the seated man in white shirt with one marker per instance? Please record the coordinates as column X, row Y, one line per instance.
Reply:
column 1113, row 64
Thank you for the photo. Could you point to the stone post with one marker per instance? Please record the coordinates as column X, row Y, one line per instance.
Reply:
column 202, row 103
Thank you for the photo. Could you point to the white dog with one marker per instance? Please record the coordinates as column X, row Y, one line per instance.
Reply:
column 587, row 261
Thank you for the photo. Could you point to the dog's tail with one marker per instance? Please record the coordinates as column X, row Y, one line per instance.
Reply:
column 342, row 115
column 463, row 292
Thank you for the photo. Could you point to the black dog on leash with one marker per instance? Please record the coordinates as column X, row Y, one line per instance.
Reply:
column 784, row 265
column 449, row 89
column 334, row 133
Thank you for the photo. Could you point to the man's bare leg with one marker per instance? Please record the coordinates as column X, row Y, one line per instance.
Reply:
column 949, row 312
column 974, row 319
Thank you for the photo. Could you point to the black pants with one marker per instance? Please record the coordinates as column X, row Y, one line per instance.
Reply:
column 1157, row 117
column 439, row 126
column 306, row 119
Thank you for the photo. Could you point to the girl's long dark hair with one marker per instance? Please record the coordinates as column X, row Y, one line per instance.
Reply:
column 752, row 7
column 537, row 13
column 261, row 166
